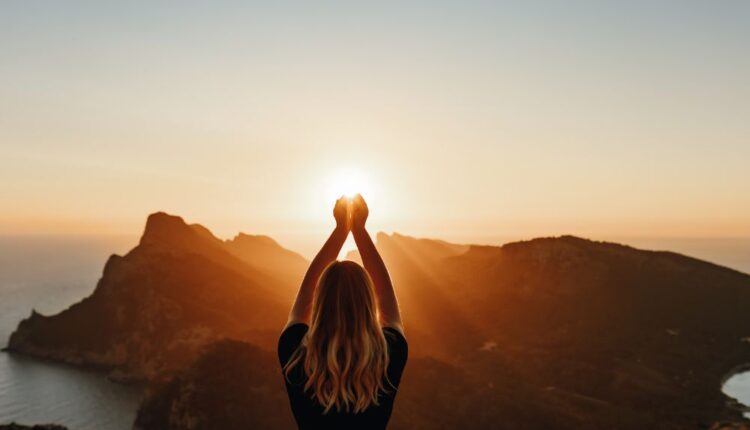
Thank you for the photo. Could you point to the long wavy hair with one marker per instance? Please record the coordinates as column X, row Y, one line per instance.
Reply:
column 344, row 354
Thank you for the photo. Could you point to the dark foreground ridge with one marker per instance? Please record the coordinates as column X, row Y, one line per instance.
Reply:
column 560, row 333
column 14, row 426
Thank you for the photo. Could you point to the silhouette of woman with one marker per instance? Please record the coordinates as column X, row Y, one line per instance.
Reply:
column 343, row 349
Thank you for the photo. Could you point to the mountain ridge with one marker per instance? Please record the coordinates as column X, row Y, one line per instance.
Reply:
column 556, row 332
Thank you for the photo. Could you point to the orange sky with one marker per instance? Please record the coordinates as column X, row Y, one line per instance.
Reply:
column 457, row 119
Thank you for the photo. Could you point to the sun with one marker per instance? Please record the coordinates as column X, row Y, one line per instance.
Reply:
column 348, row 182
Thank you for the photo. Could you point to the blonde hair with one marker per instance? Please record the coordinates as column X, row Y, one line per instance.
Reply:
column 344, row 353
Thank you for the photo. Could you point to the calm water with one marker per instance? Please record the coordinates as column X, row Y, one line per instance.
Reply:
column 738, row 387
column 50, row 273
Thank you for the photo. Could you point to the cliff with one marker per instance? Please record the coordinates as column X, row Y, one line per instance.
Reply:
column 181, row 288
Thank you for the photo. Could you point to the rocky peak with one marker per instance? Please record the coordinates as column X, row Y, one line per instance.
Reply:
column 162, row 227
column 172, row 233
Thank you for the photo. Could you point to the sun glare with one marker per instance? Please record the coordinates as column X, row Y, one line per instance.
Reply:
column 348, row 182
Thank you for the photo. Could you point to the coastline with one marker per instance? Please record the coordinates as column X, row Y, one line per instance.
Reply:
column 740, row 405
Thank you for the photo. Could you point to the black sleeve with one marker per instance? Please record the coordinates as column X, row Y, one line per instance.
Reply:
column 290, row 340
column 398, row 352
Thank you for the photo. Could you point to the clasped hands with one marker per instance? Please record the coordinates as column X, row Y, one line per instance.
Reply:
column 350, row 213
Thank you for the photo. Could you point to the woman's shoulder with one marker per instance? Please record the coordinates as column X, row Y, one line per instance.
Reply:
column 290, row 340
column 298, row 327
column 397, row 344
column 398, row 354
column 293, row 332
column 395, row 332
column 394, row 329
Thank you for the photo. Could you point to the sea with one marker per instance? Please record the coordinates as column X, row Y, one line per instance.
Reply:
column 49, row 273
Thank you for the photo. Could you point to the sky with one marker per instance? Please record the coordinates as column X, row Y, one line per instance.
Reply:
column 518, row 119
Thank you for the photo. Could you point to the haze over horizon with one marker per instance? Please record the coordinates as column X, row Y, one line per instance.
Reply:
column 510, row 120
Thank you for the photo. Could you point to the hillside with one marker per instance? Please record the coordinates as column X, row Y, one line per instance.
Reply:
column 597, row 332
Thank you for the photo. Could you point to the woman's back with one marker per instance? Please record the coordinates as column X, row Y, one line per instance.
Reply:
column 340, row 366
column 308, row 412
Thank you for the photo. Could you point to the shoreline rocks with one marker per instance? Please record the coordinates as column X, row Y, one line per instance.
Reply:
column 15, row 426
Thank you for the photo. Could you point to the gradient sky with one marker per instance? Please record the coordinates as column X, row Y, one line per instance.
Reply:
column 595, row 118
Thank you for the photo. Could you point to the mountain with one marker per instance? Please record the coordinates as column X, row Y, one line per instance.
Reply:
column 595, row 332
column 181, row 288
column 561, row 332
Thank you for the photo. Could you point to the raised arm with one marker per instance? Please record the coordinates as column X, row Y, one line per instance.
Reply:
column 390, row 316
column 302, row 307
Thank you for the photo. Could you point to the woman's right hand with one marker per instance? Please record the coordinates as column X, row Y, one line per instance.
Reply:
column 359, row 212
column 341, row 214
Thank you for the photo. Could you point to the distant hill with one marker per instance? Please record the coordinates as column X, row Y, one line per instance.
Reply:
column 548, row 333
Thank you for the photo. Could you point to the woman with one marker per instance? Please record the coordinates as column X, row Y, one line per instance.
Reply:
column 343, row 349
